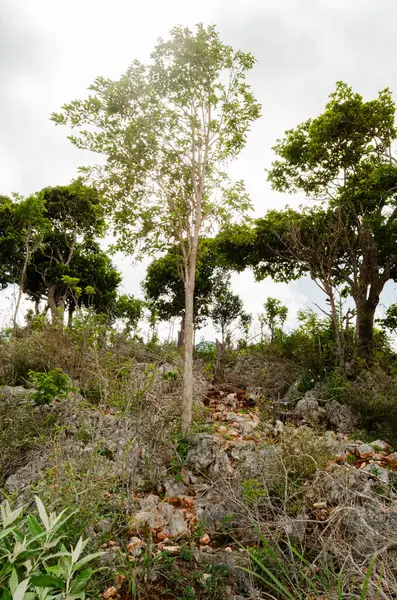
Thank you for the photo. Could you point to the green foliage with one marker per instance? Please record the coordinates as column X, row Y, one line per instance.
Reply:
column 49, row 386
column 227, row 308
column 34, row 563
column 253, row 490
column 129, row 310
column 275, row 313
column 170, row 117
column 164, row 287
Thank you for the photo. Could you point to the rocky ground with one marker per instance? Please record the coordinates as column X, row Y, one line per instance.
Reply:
column 210, row 497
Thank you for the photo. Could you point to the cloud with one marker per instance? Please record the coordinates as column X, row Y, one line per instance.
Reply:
column 51, row 51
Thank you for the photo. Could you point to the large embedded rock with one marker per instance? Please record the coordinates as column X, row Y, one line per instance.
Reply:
column 340, row 417
column 206, row 457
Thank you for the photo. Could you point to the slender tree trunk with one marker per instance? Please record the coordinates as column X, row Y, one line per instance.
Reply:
column 181, row 334
column 187, row 389
column 22, row 280
column 57, row 306
column 219, row 374
column 340, row 354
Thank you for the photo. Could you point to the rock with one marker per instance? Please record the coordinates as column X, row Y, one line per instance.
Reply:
column 381, row 446
column 230, row 400
column 163, row 518
column 365, row 451
column 205, row 539
column 378, row 472
column 206, row 457
column 111, row 559
column 392, row 459
column 175, row 488
column 308, row 409
column 340, row 417
column 17, row 394
column 109, row 593
column 135, row 546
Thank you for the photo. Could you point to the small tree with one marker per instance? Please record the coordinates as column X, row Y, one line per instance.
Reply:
column 168, row 130
column 275, row 314
column 227, row 308
column 164, row 288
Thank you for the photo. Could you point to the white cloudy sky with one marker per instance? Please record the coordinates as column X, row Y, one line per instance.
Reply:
column 50, row 51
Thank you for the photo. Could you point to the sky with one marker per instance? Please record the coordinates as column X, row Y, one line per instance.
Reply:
column 50, row 52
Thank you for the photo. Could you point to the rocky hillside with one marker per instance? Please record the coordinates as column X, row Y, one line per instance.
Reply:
column 174, row 514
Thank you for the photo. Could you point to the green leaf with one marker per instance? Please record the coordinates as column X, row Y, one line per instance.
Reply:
column 48, row 581
column 80, row 582
column 34, row 526
column 13, row 581
column 86, row 560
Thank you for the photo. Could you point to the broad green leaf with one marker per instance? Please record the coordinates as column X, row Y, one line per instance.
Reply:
column 34, row 526
column 85, row 560
column 48, row 581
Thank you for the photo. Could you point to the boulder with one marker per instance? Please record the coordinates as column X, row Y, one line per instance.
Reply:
column 206, row 457
column 340, row 417
column 308, row 409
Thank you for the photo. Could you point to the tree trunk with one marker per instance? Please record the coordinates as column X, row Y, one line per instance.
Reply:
column 219, row 374
column 338, row 334
column 57, row 305
column 22, row 280
column 181, row 334
column 365, row 329
column 187, row 389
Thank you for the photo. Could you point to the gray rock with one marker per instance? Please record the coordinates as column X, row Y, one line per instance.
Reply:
column 175, row 488
column 206, row 457
column 381, row 446
column 378, row 472
column 308, row 409
column 340, row 417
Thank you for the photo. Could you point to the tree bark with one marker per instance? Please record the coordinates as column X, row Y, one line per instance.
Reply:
column 219, row 374
column 365, row 329
column 187, row 389
column 57, row 305
column 22, row 280
column 181, row 334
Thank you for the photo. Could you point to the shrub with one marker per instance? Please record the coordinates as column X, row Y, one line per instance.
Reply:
column 49, row 386
column 33, row 562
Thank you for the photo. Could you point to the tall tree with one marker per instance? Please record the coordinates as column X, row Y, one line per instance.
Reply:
column 344, row 158
column 168, row 130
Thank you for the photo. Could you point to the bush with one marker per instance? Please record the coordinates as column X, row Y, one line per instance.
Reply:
column 34, row 563
column 49, row 386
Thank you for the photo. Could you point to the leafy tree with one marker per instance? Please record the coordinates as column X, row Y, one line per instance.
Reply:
column 23, row 224
column 227, row 308
column 164, row 287
column 275, row 314
column 168, row 130
column 344, row 156
column 68, row 260
column 343, row 160
column 129, row 310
